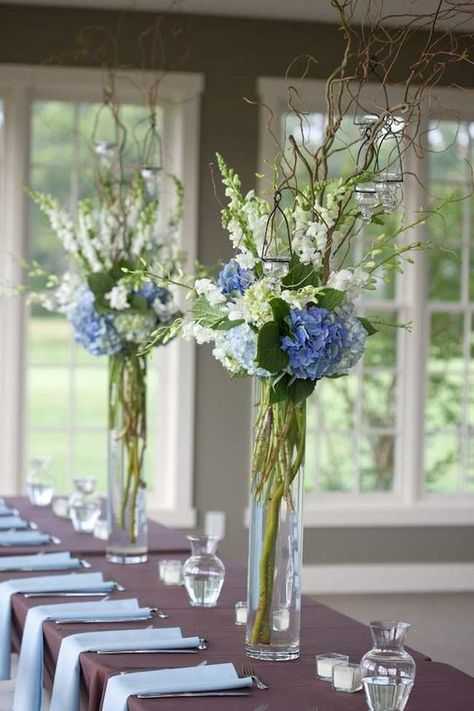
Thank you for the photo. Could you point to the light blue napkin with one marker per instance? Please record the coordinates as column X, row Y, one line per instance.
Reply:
column 7, row 522
column 29, row 678
column 213, row 677
column 47, row 583
column 24, row 538
column 66, row 678
column 6, row 510
column 39, row 561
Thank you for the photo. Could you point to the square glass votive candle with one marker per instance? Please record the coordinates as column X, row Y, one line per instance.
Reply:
column 325, row 663
column 171, row 572
column 240, row 613
column 346, row 677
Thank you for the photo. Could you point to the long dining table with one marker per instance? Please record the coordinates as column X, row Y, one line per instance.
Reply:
column 292, row 686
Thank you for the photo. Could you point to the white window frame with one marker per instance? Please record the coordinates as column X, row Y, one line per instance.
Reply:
column 172, row 498
column 407, row 504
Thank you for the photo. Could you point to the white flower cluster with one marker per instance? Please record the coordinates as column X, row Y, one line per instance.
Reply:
column 352, row 281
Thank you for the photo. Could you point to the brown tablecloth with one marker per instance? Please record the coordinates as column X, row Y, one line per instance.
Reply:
column 293, row 686
column 161, row 539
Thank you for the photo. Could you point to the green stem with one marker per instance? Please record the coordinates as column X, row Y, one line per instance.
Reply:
column 277, row 459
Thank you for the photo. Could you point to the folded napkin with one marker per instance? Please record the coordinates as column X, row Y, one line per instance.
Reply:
column 39, row 561
column 47, row 583
column 30, row 666
column 7, row 522
column 6, row 510
column 66, row 678
column 24, row 538
column 213, row 677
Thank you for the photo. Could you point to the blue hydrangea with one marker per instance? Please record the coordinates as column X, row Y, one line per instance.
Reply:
column 322, row 342
column 151, row 292
column 92, row 330
column 233, row 279
column 237, row 350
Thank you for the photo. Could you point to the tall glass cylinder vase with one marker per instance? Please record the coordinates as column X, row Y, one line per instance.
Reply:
column 276, row 531
column 127, row 443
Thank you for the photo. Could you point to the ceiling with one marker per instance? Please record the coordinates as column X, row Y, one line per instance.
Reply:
column 309, row 10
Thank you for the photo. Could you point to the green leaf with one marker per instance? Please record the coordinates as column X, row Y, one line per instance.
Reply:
column 117, row 270
column 369, row 327
column 300, row 275
column 330, row 298
column 225, row 324
column 139, row 303
column 279, row 389
column 206, row 314
column 100, row 283
column 269, row 353
column 280, row 308
column 299, row 390
column 101, row 306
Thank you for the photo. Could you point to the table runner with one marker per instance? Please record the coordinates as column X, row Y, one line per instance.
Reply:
column 160, row 538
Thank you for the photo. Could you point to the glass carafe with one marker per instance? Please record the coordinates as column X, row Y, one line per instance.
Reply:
column 203, row 572
column 387, row 670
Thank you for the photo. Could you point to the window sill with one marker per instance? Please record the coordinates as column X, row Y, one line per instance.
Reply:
column 175, row 518
column 345, row 512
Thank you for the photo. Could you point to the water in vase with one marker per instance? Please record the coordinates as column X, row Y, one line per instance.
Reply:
column 385, row 694
column 203, row 589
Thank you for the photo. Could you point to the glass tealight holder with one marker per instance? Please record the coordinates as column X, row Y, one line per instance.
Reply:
column 84, row 515
column 40, row 483
column 241, row 611
column 346, row 678
column 61, row 507
column 326, row 662
column 172, row 572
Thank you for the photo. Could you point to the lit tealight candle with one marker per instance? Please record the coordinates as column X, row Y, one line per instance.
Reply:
column 346, row 677
column 325, row 663
column 281, row 619
column 61, row 508
column 101, row 529
column 240, row 613
column 172, row 572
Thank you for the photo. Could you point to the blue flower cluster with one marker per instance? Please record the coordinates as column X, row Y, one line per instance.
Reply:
column 92, row 330
column 151, row 292
column 322, row 342
column 235, row 280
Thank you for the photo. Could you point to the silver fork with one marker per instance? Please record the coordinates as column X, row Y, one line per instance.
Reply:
column 247, row 670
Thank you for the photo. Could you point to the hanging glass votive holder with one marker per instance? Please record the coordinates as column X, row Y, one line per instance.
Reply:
column 106, row 153
column 276, row 249
column 152, row 180
column 388, row 186
column 367, row 198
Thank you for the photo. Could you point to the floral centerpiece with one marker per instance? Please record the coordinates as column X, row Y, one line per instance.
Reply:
column 114, row 315
column 279, row 311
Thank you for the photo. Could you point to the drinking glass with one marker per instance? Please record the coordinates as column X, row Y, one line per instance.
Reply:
column 39, row 483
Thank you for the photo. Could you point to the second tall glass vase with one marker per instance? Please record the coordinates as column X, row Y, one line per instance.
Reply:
column 127, row 443
column 276, row 532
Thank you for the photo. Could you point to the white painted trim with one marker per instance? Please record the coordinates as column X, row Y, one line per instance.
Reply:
column 393, row 578
column 182, row 518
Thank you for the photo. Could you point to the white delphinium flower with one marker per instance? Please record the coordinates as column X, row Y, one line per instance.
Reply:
column 117, row 297
column 63, row 225
column 207, row 288
column 86, row 232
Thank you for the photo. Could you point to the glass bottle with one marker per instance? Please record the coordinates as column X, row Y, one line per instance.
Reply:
column 203, row 572
column 387, row 670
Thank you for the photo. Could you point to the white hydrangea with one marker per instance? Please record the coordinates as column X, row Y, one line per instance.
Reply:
column 207, row 288
column 301, row 298
column 117, row 297
column 253, row 306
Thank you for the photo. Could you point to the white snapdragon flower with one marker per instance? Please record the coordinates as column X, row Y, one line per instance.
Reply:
column 352, row 282
column 117, row 297
column 192, row 330
column 65, row 294
column 63, row 225
column 246, row 259
column 235, row 232
column 207, row 288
